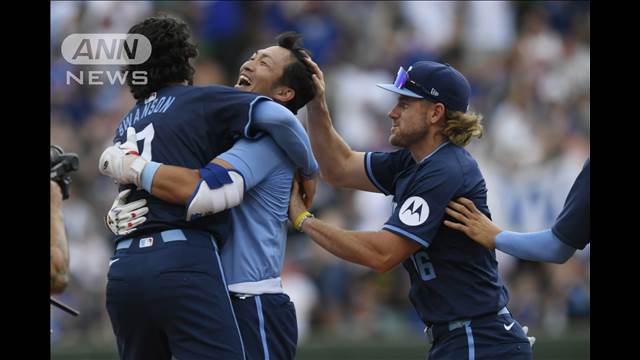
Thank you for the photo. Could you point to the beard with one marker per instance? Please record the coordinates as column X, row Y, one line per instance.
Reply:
column 405, row 139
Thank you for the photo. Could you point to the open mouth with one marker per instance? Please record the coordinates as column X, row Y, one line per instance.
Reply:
column 243, row 81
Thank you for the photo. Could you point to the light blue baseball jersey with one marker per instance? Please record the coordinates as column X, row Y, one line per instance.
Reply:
column 252, row 259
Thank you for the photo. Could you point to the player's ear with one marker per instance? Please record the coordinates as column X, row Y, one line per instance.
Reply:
column 284, row 94
column 437, row 112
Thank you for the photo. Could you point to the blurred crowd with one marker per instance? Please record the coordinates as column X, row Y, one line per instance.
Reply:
column 529, row 67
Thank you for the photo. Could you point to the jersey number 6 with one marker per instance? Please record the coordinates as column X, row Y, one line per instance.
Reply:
column 424, row 266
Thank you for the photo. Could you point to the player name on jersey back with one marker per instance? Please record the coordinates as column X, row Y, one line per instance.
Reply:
column 152, row 105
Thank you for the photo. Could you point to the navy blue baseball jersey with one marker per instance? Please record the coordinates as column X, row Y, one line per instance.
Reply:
column 187, row 126
column 452, row 277
column 573, row 225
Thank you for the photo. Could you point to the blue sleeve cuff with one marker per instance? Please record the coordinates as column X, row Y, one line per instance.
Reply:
column 406, row 234
column 315, row 170
column 372, row 178
column 502, row 239
column 147, row 175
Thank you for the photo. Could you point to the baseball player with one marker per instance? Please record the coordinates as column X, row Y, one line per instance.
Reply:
column 455, row 285
column 166, row 292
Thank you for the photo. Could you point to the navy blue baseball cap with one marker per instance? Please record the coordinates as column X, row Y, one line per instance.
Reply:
column 435, row 82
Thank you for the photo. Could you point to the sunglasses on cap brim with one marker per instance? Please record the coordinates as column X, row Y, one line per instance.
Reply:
column 403, row 78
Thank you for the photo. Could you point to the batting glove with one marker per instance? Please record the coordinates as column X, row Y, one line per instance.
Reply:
column 122, row 162
column 123, row 218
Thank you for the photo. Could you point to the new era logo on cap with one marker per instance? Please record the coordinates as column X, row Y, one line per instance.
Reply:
column 434, row 92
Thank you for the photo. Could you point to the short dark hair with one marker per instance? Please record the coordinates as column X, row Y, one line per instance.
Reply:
column 297, row 74
column 171, row 50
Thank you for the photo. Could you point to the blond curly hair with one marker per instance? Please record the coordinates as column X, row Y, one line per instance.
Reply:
column 459, row 127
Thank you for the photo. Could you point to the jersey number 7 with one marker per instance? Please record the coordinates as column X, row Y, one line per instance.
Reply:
column 147, row 135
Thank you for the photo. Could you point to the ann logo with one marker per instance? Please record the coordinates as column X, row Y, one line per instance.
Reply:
column 414, row 211
column 106, row 49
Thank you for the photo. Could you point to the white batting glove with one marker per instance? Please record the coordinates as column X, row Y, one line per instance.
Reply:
column 532, row 339
column 123, row 218
column 122, row 162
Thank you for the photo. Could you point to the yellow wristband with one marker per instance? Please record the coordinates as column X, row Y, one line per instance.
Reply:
column 300, row 219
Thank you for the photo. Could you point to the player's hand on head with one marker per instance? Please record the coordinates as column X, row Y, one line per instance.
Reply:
column 472, row 222
column 318, row 79
column 122, row 162
column 124, row 218
column 296, row 203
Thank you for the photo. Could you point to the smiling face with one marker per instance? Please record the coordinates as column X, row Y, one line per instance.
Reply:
column 262, row 73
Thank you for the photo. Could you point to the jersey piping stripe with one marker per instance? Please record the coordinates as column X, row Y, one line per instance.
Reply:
column 367, row 167
column 405, row 233
column 263, row 335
